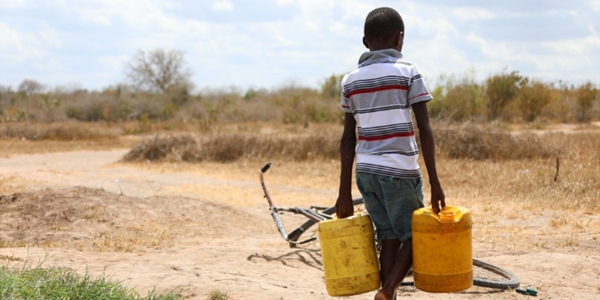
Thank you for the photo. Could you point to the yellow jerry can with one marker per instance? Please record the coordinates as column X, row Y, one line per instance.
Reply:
column 442, row 249
column 349, row 255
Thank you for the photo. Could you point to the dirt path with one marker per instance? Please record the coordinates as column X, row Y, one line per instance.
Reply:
column 205, row 227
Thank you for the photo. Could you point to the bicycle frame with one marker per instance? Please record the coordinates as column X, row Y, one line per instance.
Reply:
column 313, row 213
column 498, row 278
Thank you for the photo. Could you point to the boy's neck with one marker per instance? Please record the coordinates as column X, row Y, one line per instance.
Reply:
column 381, row 48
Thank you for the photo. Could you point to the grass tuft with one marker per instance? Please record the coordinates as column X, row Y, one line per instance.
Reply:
column 218, row 295
column 64, row 283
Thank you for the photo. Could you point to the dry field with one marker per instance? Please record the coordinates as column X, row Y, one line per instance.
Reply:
column 171, row 211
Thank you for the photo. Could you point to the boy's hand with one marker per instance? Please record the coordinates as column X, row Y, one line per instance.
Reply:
column 438, row 199
column 344, row 207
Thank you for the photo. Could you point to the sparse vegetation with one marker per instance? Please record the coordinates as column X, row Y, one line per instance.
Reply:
column 495, row 152
column 64, row 131
column 470, row 141
column 63, row 283
column 218, row 295
column 152, row 97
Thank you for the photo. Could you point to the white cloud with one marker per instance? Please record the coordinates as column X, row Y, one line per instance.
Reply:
column 301, row 39
column 356, row 10
column 22, row 46
column 576, row 47
column 12, row 4
column 222, row 5
column 284, row 2
column 473, row 13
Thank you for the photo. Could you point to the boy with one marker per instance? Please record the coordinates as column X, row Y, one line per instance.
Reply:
column 377, row 97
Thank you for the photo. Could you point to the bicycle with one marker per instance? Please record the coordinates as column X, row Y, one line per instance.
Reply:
column 484, row 274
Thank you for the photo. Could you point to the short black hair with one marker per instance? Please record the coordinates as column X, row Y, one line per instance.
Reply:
column 383, row 22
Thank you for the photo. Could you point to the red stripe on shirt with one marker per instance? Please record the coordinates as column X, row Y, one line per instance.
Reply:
column 419, row 95
column 387, row 136
column 377, row 89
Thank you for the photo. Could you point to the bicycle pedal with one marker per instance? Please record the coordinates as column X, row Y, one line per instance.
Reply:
column 531, row 291
column 527, row 291
column 521, row 291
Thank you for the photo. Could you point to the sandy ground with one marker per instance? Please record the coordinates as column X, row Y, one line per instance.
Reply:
column 204, row 228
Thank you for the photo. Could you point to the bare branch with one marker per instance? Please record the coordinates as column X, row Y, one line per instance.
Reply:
column 159, row 71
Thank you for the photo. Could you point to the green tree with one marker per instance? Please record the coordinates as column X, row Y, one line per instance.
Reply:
column 457, row 99
column 332, row 86
column 501, row 90
column 586, row 94
column 534, row 95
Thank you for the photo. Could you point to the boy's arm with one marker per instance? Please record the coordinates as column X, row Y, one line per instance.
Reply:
column 438, row 199
column 343, row 206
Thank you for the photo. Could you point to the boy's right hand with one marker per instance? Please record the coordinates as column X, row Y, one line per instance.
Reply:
column 438, row 199
column 344, row 207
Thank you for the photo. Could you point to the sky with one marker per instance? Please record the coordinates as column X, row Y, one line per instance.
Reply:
column 270, row 43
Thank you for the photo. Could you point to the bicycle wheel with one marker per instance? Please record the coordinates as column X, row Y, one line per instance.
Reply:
column 491, row 276
column 484, row 275
column 302, row 229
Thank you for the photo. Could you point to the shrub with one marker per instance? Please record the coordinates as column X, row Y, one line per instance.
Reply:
column 533, row 97
column 501, row 90
column 490, row 142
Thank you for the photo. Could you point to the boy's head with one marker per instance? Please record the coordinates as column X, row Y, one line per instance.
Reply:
column 384, row 29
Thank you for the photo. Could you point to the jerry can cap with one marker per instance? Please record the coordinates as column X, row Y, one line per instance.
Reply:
column 447, row 215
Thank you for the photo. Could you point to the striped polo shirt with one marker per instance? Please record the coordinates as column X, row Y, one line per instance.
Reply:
column 380, row 93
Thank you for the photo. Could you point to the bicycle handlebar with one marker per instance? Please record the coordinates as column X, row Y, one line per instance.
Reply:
column 265, row 168
column 312, row 215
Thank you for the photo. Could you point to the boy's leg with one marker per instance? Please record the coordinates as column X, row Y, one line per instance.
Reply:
column 387, row 258
column 402, row 264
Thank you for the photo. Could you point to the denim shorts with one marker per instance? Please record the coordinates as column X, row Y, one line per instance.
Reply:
column 390, row 202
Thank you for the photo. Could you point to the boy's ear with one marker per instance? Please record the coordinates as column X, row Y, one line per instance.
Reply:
column 399, row 40
column 366, row 42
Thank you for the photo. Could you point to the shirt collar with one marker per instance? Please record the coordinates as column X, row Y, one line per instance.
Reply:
column 379, row 56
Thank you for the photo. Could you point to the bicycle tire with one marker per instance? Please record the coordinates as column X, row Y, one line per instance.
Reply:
column 502, row 279
column 296, row 233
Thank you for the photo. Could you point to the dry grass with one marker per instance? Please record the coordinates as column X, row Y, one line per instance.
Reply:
column 64, row 131
column 33, row 137
column 96, row 220
column 227, row 147
column 507, row 179
column 18, row 147
column 474, row 162
column 490, row 142
column 480, row 143
column 516, row 202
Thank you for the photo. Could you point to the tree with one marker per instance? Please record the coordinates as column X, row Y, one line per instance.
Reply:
column 30, row 86
column 457, row 97
column 586, row 94
column 533, row 97
column 500, row 90
column 159, row 71
column 332, row 86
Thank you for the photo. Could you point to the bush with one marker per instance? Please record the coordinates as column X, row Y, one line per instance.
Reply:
column 501, row 90
column 490, row 142
column 228, row 147
column 457, row 99
column 533, row 97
